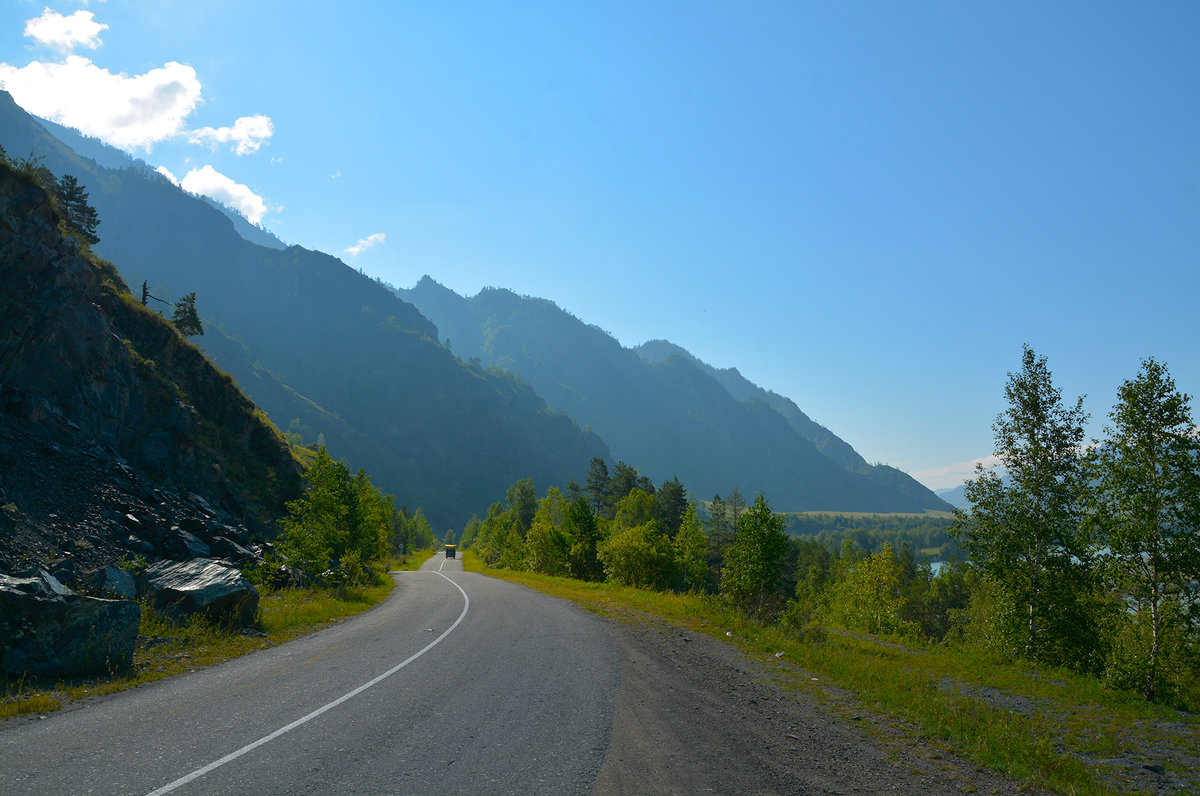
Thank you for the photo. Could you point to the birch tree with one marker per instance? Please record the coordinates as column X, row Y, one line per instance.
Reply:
column 1147, row 487
column 1024, row 529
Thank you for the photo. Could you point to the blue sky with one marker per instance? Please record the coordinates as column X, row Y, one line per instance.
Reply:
column 867, row 207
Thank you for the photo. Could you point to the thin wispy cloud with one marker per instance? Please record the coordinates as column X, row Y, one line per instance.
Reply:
column 951, row 475
column 366, row 243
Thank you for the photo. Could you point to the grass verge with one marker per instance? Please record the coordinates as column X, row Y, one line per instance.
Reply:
column 410, row 561
column 165, row 649
column 1045, row 728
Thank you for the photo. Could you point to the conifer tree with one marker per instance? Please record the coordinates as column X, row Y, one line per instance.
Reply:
column 580, row 526
column 597, row 485
column 720, row 527
column 186, row 320
column 79, row 215
column 670, row 503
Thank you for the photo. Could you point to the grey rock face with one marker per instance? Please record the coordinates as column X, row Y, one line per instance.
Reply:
column 112, row 581
column 48, row 630
column 180, row 544
column 230, row 550
column 200, row 586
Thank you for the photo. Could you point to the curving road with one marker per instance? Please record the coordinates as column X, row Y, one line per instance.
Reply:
column 456, row 683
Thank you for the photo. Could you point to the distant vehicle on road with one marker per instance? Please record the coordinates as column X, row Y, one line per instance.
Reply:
column 451, row 550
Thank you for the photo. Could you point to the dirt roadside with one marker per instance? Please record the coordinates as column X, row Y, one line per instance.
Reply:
column 696, row 715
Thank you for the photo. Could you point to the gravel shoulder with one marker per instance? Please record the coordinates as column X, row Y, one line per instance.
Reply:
column 695, row 714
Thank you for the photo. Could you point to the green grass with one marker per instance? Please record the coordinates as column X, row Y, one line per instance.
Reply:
column 410, row 561
column 1044, row 728
column 165, row 649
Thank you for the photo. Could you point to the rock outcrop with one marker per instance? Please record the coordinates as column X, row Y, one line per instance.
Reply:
column 47, row 630
column 119, row 443
column 118, row 438
column 112, row 582
column 201, row 586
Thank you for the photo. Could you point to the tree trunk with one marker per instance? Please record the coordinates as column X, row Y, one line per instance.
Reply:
column 1152, row 664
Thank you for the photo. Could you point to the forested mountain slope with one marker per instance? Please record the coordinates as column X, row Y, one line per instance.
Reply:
column 316, row 340
column 826, row 441
column 670, row 417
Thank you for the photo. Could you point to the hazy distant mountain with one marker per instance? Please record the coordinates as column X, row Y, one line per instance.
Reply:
column 955, row 496
column 671, row 416
column 323, row 349
column 825, row 440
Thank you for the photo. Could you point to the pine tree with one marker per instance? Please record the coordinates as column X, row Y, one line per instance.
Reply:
column 580, row 526
column 598, row 486
column 720, row 527
column 79, row 215
column 670, row 502
column 186, row 320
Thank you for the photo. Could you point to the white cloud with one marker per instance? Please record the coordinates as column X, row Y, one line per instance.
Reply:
column 247, row 134
column 64, row 34
column 209, row 182
column 126, row 111
column 366, row 243
column 164, row 171
column 951, row 475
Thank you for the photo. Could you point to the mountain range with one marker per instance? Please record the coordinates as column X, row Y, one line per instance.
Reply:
column 956, row 496
column 334, row 356
column 666, row 411
column 328, row 353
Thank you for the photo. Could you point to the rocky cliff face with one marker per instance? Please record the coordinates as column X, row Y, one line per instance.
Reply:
column 114, row 430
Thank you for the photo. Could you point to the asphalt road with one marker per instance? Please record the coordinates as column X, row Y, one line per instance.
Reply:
column 457, row 683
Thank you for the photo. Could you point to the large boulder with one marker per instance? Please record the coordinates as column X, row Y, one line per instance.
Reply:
column 200, row 586
column 230, row 551
column 182, row 545
column 47, row 630
column 112, row 581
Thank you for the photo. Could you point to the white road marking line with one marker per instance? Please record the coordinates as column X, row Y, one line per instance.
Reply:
column 282, row 730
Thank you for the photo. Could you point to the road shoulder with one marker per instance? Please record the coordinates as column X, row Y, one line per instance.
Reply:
column 695, row 714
